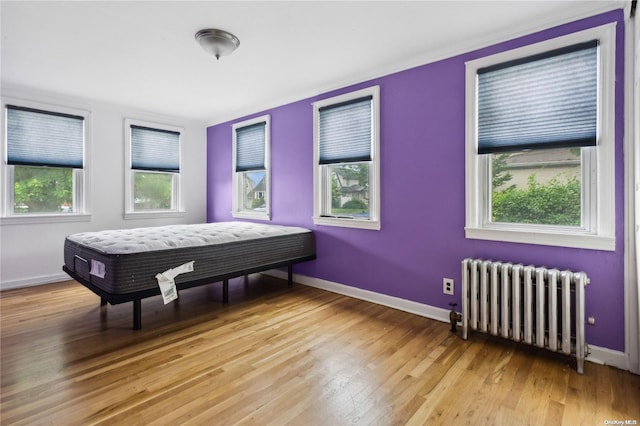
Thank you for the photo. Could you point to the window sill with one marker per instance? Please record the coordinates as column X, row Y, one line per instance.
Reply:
column 548, row 238
column 251, row 215
column 154, row 215
column 347, row 223
column 52, row 218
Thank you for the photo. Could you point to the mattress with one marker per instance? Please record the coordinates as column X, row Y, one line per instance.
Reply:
column 126, row 261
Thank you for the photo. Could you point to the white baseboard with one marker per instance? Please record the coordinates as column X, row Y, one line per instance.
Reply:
column 33, row 281
column 597, row 355
column 606, row 356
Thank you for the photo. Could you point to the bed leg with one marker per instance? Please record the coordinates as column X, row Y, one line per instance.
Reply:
column 225, row 291
column 103, row 302
column 290, row 275
column 137, row 314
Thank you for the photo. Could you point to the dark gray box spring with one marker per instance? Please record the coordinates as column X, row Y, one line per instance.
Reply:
column 127, row 261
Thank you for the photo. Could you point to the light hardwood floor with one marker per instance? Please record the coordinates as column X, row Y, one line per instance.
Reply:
column 277, row 356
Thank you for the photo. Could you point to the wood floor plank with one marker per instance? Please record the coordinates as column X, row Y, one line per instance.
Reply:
column 278, row 356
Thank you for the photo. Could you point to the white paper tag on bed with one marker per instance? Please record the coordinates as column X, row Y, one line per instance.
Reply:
column 97, row 268
column 167, row 288
column 168, row 285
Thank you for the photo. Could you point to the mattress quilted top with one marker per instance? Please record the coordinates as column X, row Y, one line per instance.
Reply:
column 136, row 240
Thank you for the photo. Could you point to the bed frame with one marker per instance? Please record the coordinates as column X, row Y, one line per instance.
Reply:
column 122, row 265
column 181, row 284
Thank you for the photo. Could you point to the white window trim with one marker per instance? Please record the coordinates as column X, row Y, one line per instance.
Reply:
column 477, row 185
column 82, row 196
column 236, row 211
column 129, row 212
column 373, row 223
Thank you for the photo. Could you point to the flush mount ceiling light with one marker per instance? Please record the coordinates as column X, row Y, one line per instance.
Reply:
column 217, row 42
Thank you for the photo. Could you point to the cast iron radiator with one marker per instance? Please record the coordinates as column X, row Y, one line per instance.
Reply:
column 533, row 305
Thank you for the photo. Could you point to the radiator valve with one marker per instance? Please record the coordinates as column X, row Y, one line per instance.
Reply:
column 454, row 317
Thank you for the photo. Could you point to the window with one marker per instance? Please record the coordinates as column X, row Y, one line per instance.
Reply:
column 347, row 160
column 540, row 143
column 153, row 169
column 45, row 163
column 251, row 162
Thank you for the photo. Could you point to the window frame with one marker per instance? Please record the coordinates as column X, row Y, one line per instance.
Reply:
column 81, row 177
column 321, row 174
column 237, row 190
column 177, row 206
column 598, row 163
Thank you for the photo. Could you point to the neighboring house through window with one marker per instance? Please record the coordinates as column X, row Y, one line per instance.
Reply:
column 540, row 143
column 152, row 184
column 347, row 160
column 251, row 164
column 45, row 167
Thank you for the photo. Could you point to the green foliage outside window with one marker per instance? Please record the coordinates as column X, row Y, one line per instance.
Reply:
column 554, row 203
column 152, row 191
column 43, row 189
column 355, row 204
column 257, row 203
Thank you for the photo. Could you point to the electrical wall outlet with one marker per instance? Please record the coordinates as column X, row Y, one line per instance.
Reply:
column 447, row 286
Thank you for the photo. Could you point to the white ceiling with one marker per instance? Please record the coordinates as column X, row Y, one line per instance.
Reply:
column 143, row 54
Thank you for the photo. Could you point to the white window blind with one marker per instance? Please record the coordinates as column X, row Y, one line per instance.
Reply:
column 250, row 147
column 155, row 149
column 346, row 131
column 42, row 138
column 542, row 101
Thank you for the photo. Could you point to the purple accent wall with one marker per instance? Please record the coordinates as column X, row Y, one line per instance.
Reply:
column 422, row 238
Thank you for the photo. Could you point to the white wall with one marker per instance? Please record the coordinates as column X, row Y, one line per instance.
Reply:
column 33, row 253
